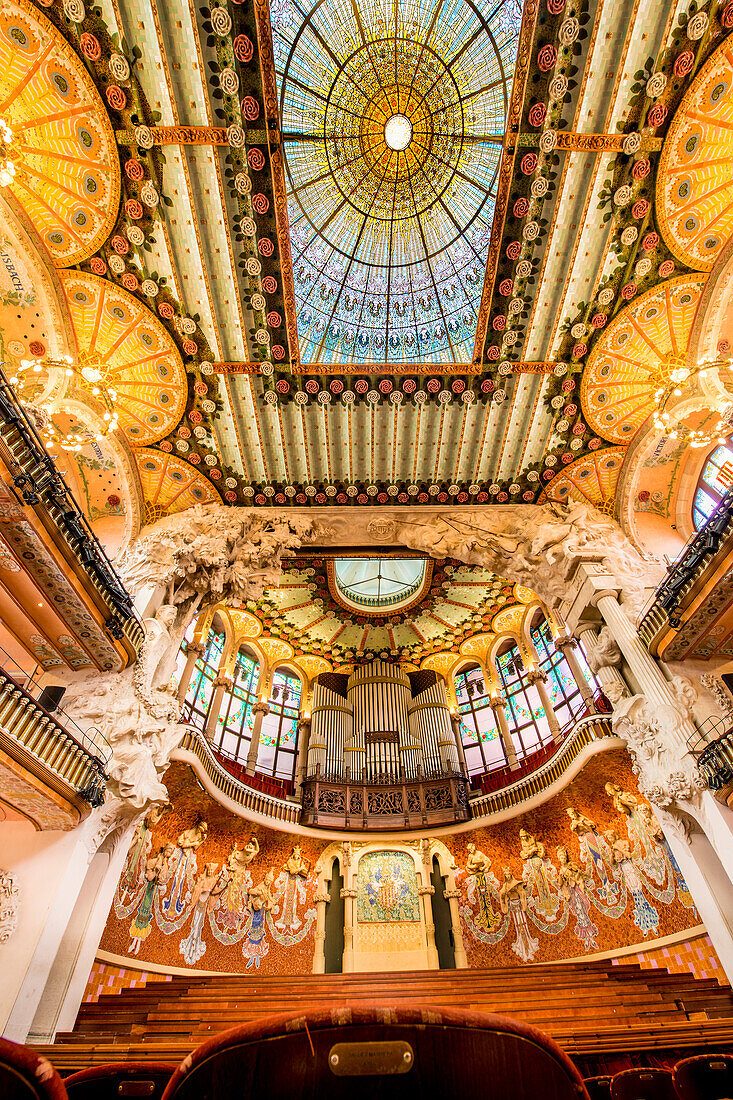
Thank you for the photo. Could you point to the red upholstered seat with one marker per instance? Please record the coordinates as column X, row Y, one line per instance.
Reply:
column 120, row 1079
column 26, row 1076
column 599, row 1088
column 643, row 1084
column 705, row 1077
column 395, row 1054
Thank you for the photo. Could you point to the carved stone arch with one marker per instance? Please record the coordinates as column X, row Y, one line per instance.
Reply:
column 497, row 646
column 531, row 612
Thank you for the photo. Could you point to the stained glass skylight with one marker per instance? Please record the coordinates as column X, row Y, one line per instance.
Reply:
column 393, row 116
column 378, row 582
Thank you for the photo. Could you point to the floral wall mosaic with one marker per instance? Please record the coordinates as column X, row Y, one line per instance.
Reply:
column 586, row 872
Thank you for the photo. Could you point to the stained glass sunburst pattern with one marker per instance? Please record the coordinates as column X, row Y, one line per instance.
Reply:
column 390, row 243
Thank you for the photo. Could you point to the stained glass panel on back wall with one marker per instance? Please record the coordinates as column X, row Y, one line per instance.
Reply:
column 392, row 119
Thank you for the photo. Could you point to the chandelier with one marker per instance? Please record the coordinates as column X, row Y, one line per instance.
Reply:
column 7, row 166
column 675, row 376
column 87, row 373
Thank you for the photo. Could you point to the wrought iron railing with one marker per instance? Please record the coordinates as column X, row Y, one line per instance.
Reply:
column 714, row 751
column 664, row 607
column 40, row 485
column 44, row 741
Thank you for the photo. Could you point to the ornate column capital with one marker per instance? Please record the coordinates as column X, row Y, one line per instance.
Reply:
column 450, row 894
column 303, row 724
column 347, row 893
column 260, row 707
column 536, row 676
column 222, row 680
column 425, row 890
column 322, row 896
column 566, row 639
column 195, row 647
column 497, row 700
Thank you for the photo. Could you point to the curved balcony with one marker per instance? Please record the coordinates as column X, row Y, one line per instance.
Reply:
column 324, row 802
column 51, row 770
column 439, row 797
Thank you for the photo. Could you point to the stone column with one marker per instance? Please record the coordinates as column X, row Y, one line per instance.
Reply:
column 260, row 709
column 426, row 892
column 319, row 954
column 539, row 677
column 452, row 894
column 647, row 673
column 303, row 734
column 455, row 722
column 607, row 674
column 349, row 895
column 567, row 645
column 222, row 683
column 193, row 652
column 498, row 702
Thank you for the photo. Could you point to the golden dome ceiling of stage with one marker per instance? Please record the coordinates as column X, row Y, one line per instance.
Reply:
column 63, row 148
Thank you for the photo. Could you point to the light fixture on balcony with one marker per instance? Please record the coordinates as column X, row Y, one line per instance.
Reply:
column 674, row 376
column 89, row 374
column 7, row 164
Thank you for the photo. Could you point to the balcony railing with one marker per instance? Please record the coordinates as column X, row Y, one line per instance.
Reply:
column 411, row 801
column 41, row 486
column 665, row 605
column 49, row 744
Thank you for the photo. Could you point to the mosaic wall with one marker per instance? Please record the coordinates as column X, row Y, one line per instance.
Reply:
column 587, row 872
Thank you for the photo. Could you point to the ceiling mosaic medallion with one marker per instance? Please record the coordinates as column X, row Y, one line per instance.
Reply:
column 392, row 120
column 636, row 355
column 55, row 134
column 458, row 602
column 695, row 179
column 125, row 349
column 170, row 485
column 592, row 478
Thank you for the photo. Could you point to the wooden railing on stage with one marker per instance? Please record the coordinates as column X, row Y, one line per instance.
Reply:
column 356, row 802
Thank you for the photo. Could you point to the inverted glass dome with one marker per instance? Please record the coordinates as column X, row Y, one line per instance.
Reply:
column 378, row 582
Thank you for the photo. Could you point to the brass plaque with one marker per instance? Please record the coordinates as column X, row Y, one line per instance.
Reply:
column 370, row 1059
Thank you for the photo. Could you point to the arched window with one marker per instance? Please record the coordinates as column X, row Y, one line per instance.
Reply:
column 198, row 696
column 279, row 735
column 716, row 478
column 567, row 702
column 482, row 744
column 525, row 713
column 233, row 732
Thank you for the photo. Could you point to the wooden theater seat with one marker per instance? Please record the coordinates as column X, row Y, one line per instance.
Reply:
column 704, row 1077
column 120, row 1079
column 599, row 1088
column 26, row 1076
column 643, row 1084
column 395, row 1054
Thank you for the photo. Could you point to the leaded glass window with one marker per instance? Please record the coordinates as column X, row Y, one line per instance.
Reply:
column 482, row 744
column 233, row 733
column 567, row 702
column 278, row 749
column 715, row 480
column 198, row 696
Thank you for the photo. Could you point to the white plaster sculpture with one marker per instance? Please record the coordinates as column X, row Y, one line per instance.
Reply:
column 200, row 556
column 666, row 771
column 605, row 653
column 9, row 905
column 537, row 546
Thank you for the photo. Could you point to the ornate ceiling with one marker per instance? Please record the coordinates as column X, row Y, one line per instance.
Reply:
column 295, row 305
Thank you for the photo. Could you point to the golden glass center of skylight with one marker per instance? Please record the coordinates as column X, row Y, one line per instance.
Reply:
column 398, row 132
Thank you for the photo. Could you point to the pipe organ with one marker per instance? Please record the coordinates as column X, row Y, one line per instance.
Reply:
column 382, row 723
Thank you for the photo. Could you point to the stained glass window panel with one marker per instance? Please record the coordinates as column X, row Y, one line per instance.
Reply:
column 390, row 235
